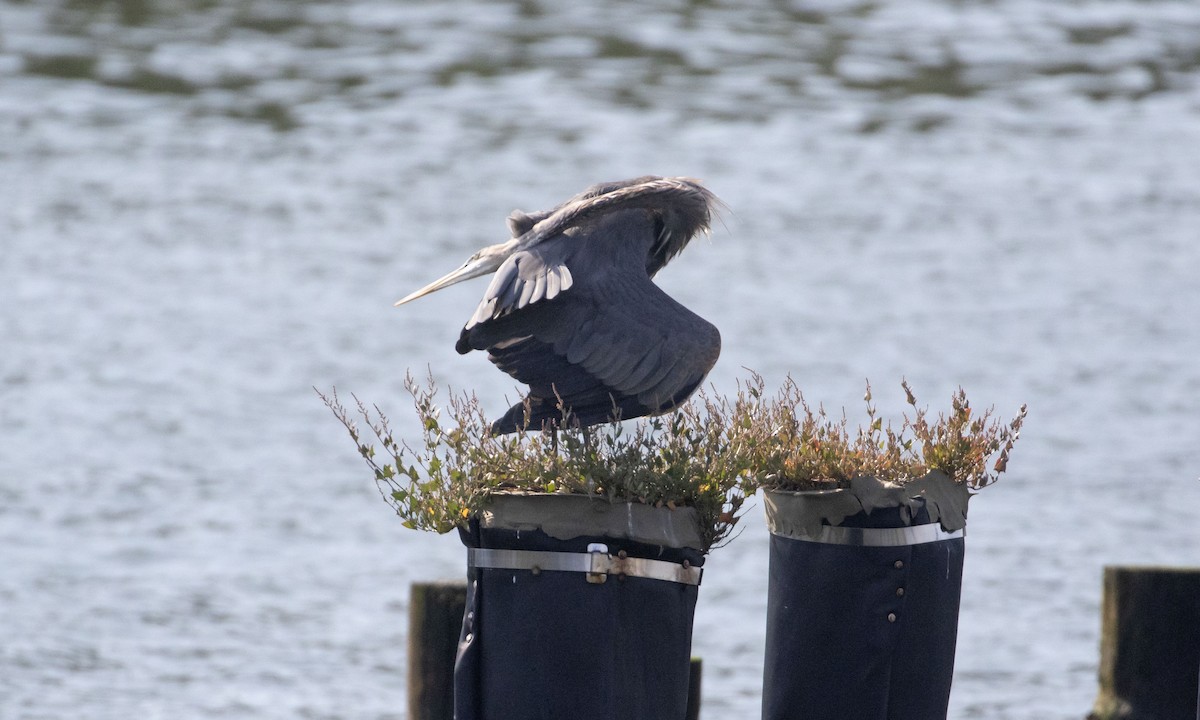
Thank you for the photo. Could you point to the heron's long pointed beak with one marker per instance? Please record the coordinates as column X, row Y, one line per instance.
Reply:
column 473, row 268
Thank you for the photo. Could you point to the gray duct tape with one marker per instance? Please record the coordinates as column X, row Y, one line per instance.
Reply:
column 597, row 564
column 875, row 537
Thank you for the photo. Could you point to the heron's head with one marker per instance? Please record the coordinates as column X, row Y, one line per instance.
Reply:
column 484, row 262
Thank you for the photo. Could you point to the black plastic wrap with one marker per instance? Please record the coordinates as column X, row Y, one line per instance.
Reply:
column 861, row 633
column 552, row 646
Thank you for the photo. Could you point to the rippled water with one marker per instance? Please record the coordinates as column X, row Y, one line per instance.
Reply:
column 208, row 207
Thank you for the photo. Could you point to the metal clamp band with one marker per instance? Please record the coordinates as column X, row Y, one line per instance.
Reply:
column 875, row 537
column 598, row 564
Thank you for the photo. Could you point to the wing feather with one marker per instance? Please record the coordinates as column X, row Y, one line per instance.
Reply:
column 644, row 352
column 532, row 362
column 645, row 369
column 616, row 360
column 539, row 288
column 522, row 280
column 526, row 293
column 576, row 345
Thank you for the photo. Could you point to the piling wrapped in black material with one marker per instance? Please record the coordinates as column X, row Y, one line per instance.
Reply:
column 550, row 645
column 863, row 632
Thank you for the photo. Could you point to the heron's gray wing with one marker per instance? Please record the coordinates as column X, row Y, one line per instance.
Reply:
column 621, row 338
column 527, row 277
column 641, row 343
column 548, row 374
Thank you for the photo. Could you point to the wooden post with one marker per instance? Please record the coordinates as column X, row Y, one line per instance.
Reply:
column 435, row 616
column 1149, row 645
column 693, row 703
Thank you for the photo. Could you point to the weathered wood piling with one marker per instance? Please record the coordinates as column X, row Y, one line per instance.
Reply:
column 1149, row 645
column 693, row 703
column 434, row 619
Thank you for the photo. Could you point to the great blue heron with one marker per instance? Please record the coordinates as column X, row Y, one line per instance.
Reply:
column 571, row 310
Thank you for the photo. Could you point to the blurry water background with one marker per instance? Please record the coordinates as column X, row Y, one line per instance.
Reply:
column 208, row 207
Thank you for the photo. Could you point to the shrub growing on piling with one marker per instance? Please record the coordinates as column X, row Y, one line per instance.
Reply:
column 685, row 459
column 793, row 446
column 709, row 455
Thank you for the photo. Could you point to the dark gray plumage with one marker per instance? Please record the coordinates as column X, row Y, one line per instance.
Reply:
column 572, row 312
